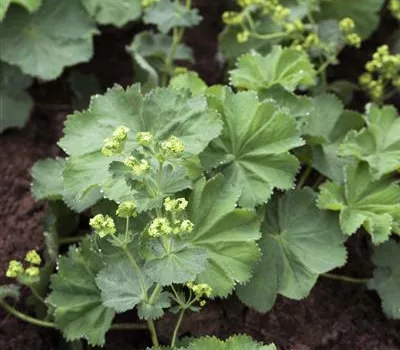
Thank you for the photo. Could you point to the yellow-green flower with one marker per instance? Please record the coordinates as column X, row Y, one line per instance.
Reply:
column 33, row 257
column 173, row 146
column 175, row 205
column 144, row 138
column 126, row 209
column 243, row 36
column 103, row 225
column 15, row 268
column 139, row 168
column 200, row 290
column 160, row 227
column 32, row 271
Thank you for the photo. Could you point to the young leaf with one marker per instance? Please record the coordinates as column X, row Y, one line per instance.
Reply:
column 148, row 311
column 362, row 201
column 16, row 104
column 253, row 148
column 9, row 291
column 174, row 262
column 163, row 112
column 287, row 67
column 364, row 13
column 237, row 342
column 121, row 286
column 29, row 5
column 386, row 280
column 190, row 81
column 75, row 297
column 116, row 12
column 298, row 243
column 168, row 14
column 227, row 233
column 47, row 179
column 57, row 35
column 378, row 143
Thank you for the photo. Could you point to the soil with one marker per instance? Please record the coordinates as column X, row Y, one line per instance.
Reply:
column 336, row 315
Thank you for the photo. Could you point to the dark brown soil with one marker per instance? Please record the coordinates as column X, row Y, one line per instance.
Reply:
column 336, row 316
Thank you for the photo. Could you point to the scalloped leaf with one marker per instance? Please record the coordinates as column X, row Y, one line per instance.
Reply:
column 121, row 287
column 286, row 67
column 147, row 311
column 174, row 261
column 116, row 12
column 378, row 143
column 362, row 201
column 47, row 181
column 16, row 104
column 164, row 112
column 386, row 280
column 298, row 243
column 190, row 81
column 226, row 233
column 29, row 5
column 168, row 14
column 76, row 299
column 253, row 148
column 57, row 35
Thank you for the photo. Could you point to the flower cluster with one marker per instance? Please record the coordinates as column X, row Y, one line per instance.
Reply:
column 394, row 7
column 103, row 225
column 115, row 144
column 126, row 209
column 175, row 205
column 383, row 70
column 347, row 26
column 138, row 167
column 200, row 291
column 144, row 138
column 16, row 268
column 164, row 227
column 173, row 147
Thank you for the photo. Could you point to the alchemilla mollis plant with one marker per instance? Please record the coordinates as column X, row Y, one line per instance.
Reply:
column 194, row 192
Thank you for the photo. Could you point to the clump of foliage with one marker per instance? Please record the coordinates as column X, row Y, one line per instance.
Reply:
column 196, row 192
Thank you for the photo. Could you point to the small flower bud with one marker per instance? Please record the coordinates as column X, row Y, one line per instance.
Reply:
column 347, row 25
column 173, row 146
column 126, row 209
column 232, row 18
column 175, row 205
column 144, row 138
column 139, row 168
column 15, row 268
column 160, row 227
column 33, row 257
column 187, row 226
column 200, row 290
column 243, row 36
column 103, row 225
column 32, row 271
column 120, row 133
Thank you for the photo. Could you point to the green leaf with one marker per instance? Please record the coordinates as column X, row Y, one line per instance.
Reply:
column 149, row 52
column 16, row 104
column 168, row 14
column 76, row 299
column 29, row 5
column 163, row 112
column 59, row 34
column 287, row 67
column 253, row 148
column 362, row 201
column 116, row 12
column 47, row 179
column 227, row 233
column 365, row 13
column 386, row 280
column 147, row 311
column 9, row 291
column 173, row 261
column 378, row 143
column 237, row 342
column 190, row 81
column 121, row 286
column 298, row 243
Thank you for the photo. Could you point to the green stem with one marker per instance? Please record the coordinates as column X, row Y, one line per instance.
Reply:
column 70, row 240
column 345, row 278
column 153, row 332
column 37, row 295
column 127, row 229
column 25, row 317
column 178, row 325
column 304, row 176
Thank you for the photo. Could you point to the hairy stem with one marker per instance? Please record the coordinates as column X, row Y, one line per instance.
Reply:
column 304, row 176
column 153, row 332
column 178, row 325
column 25, row 317
column 345, row 278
